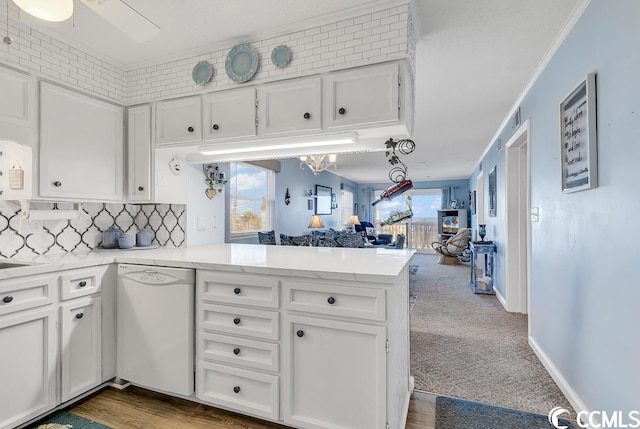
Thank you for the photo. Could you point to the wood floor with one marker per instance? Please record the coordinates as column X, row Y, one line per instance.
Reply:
column 136, row 408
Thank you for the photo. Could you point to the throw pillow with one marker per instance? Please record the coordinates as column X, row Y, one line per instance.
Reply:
column 268, row 238
column 292, row 240
column 370, row 231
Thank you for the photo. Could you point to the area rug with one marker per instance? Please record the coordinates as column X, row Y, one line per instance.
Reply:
column 413, row 293
column 453, row 413
column 65, row 420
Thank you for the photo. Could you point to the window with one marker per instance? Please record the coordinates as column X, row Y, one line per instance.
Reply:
column 346, row 203
column 251, row 201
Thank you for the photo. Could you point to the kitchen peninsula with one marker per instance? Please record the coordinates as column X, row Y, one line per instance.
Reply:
column 308, row 337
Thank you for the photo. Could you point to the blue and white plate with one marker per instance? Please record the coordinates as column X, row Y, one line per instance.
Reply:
column 202, row 72
column 281, row 55
column 241, row 63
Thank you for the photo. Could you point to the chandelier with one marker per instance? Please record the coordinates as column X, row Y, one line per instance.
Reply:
column 318, row 163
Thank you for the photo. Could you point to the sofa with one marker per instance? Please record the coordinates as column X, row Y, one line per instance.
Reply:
column 370, row 233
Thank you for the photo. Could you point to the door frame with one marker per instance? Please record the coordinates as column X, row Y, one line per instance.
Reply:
column 517, row 225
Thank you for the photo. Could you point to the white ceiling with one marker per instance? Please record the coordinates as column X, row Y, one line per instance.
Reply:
column 473, row 60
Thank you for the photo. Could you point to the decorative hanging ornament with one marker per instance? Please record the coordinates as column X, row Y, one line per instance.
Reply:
column 214, row 179
column 287, row 197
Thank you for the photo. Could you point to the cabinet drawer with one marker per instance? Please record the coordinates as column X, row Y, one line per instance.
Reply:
column 239, row 351
column 26, row 292
column 240, row 321
column 239, row 389
column 335, row 300
column 75, row 283
column 238, row 289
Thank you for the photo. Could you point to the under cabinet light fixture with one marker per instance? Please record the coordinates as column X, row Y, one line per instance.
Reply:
column 265, row 146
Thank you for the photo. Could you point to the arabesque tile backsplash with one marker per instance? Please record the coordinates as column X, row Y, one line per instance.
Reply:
column 165, row 222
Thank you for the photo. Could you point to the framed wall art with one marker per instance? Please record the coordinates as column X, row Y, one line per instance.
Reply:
column 578, row 137
column 493, row 198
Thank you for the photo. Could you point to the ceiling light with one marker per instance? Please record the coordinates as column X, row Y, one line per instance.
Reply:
column 48, row 10
column 318, row 163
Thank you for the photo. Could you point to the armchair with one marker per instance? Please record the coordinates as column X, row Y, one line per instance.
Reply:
column 452, row 248
column 370, row 233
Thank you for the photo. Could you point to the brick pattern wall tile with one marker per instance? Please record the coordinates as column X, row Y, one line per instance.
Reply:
column 35, row 52
column 370, row 38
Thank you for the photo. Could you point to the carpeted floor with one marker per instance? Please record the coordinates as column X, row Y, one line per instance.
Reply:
column 467, row 346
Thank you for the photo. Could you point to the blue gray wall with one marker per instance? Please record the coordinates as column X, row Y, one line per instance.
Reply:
column 584, row 294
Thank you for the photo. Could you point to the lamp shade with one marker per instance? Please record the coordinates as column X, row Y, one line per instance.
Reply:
column 316, row 222
column 48, row 10
column 353, row 220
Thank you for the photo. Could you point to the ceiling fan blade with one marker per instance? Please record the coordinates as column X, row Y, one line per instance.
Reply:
column 125, row 18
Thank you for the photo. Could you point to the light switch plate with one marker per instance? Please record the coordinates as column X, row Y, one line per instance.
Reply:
column 535, row 214
column 201, row 223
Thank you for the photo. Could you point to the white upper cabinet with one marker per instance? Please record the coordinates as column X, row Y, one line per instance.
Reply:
column 81, row 146
column 290, row 106
column 179, row 120
column 139, row 146
column 18, row 101
column 229, row 114
column 364, row 96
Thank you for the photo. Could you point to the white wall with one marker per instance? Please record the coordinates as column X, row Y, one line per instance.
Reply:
column 211, row 211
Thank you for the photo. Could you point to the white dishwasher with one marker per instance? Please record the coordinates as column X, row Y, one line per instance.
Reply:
column 156, row 327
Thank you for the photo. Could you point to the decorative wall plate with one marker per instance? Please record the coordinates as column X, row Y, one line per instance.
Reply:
column 280, row 56
column 202, row 72
column 241, row 63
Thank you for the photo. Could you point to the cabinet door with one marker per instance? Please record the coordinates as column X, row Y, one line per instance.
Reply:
column 363, row 96
column 81, row 146
column 335, row 374
column 81, row 350
column 28, row 360
column 139, row 145
column 289, row 106
column 178, row 121
column 229, row 114
column 17, row 105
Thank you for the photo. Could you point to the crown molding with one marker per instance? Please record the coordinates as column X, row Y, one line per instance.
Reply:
column 553, row 48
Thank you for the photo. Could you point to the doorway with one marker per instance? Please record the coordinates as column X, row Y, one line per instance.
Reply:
column 518, row 231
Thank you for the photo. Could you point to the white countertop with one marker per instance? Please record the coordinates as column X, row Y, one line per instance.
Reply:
column 335, row 263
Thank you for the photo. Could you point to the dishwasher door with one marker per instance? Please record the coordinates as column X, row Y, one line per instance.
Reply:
column 156, row 327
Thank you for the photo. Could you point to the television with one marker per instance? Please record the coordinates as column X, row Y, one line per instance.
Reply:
column 450, row 224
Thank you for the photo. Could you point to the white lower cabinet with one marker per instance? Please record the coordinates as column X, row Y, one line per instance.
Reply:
column 50, row 346
column 335, row 374
column 335, row 355
column 28, row 360
column 237, row 346
column 239, row 389
column 80, row 346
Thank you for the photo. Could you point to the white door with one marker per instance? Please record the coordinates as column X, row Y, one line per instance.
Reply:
column 364, row 96
column 290, row 106
column 229, row 114
column 80, row 345
column 18, row 102
column 28, row 362
column 335, row 374
column 179, row 120
column 81, row 146
column 139, row 145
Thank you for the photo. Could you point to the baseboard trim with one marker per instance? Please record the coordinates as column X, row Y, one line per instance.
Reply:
column 501, row 298
column 555, row 374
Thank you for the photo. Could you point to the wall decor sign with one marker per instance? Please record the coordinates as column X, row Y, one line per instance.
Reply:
column 578, row 137
column 493, row 200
